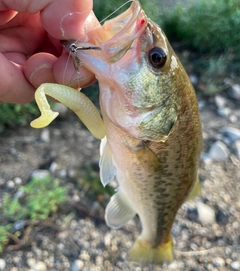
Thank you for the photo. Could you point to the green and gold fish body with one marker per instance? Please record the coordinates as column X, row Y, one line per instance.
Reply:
column 153, row 131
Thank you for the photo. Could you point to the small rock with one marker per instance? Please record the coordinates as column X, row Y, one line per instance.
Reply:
column 85, row 256
column 77, row 265
column 222, row 217
column 2, row 264
column 19, row 194
column 17, row 180
column 53, row 167
column 18, row 225
column 173, row 266
column 10, row 184
column 107, row 239
column 218, row 262
column 62, row 174
column 45, row 136
column 99, row 260
column 218, row 151
column 192, row 214
column 201, row 105
column 224, row 112
column 14, row 152
column 193, row 78
column 39, row 266
column 236, row 146
column 220, row 101
column 232, row 133
column 205, row 158
column 233, row 118
column 39, row 174
column 235, row 92
column 31, row 262
column 185, row 235
column 206, row 214
column 72, row 173
column 235, row 265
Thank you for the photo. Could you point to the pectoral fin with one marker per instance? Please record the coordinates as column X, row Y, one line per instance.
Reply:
column 107, row 168
column 118, row 211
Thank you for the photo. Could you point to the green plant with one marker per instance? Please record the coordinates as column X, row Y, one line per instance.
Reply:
column 4, row 238
column 17, row 114
column 104, row 9
column 41, row 198
column 91, row 184
column 208, row 29
column 206, row 25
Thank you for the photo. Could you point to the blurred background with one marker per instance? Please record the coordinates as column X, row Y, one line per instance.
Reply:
column 51, row 199
column 203, row 32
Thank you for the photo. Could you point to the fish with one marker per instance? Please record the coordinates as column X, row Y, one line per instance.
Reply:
column 153, row 130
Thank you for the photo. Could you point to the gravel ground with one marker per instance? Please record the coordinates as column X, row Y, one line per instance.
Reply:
column 206, row 231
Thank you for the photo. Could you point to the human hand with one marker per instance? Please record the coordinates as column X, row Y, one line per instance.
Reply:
column 30, row 51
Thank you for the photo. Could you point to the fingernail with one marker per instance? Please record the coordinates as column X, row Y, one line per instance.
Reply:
column 42, row 74
column 81, row 82
column 75, row 30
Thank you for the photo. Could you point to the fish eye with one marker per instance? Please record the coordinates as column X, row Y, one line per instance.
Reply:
column 157, row 57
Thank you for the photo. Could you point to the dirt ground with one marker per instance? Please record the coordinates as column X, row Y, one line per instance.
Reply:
column 67, row 150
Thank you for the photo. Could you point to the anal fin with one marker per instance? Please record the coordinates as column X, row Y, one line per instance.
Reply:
column 118, row 211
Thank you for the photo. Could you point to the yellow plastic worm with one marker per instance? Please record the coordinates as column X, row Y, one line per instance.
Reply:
column 79, row 103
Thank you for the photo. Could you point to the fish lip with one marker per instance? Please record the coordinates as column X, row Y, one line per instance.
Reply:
column 70, row 46
column 130, row 25
column 67, row 44
column 135, row 22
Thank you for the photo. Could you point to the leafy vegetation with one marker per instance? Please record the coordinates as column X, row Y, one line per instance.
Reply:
column 91, row 184
column 17, row 114
column 207, row 26
column 106, row 8
column 40, row 198
column 209, row 30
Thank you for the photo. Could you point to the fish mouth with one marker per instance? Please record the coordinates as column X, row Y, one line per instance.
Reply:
column 123, row 30
column 118, row 35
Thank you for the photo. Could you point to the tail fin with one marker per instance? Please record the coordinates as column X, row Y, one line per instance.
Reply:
column 146, row 254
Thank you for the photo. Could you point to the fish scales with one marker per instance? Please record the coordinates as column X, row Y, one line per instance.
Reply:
column 153, row 130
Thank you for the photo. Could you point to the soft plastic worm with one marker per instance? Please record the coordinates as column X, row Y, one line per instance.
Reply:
column 73, row 99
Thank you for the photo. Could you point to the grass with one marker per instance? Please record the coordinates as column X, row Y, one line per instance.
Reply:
column 209, row 30
column 206, row 26
column 40, row 199
column 17, row 114
column 91, row 184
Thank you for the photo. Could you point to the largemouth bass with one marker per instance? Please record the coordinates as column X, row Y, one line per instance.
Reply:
column 153, row 131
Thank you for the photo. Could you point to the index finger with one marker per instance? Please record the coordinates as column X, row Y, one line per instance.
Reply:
column 66, row 19
column 61, row 19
